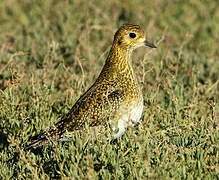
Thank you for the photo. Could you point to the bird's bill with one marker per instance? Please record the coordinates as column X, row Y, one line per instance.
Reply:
column 149, row 44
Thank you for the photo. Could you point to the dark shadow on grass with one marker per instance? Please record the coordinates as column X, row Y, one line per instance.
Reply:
column 51, row 167
column 38, row 151
column 12, row 162
column 3, row 141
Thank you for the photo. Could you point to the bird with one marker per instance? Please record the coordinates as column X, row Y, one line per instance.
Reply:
column 114, row 99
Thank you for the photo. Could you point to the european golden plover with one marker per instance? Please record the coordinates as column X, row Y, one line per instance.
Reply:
column 115, row 98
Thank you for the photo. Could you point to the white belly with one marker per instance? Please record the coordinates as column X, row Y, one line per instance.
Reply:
column 129, row 117
column 136, row 113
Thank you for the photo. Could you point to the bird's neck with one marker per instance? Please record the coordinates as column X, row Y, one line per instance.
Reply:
column 118, row 64
column 119, row 58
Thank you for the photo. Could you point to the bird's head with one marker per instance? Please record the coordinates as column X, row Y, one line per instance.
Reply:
column 130, row 37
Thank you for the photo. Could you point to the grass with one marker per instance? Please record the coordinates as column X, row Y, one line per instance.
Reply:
column 50, row 53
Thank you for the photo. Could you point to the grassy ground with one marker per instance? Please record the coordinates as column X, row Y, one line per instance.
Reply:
column 51, row 52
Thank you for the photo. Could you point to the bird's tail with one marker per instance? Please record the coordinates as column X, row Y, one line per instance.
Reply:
column 51, row 134
column 37, row 141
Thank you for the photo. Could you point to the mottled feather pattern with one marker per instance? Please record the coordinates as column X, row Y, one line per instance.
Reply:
column 113, row 96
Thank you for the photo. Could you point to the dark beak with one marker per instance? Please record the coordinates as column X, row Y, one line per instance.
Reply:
column 149, row 44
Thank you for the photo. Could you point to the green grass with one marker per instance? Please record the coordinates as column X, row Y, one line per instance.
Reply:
column 51, row 52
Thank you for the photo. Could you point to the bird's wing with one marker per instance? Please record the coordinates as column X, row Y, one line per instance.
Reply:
column 95, row 107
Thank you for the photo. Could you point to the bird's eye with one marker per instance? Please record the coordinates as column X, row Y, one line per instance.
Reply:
column 132, row 35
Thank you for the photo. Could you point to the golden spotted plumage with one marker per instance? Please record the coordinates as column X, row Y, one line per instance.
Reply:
column 115, row 98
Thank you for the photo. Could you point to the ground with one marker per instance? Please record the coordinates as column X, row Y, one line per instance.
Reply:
column 51, row 52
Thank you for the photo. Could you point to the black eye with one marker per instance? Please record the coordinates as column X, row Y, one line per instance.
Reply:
column 132, row 35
